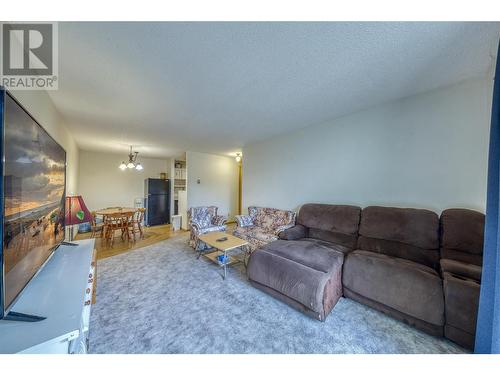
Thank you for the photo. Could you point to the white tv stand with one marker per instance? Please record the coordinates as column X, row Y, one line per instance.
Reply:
column 62, row 292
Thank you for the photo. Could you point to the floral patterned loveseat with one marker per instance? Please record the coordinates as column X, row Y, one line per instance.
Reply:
column 262, row 225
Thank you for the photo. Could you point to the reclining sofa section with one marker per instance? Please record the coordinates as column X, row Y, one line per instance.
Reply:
column 462, row 236
column 395, row 266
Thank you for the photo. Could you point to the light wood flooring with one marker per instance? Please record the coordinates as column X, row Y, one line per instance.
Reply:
column 151, row 235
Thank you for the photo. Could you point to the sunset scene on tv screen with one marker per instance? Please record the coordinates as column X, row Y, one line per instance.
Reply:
column 34, row 183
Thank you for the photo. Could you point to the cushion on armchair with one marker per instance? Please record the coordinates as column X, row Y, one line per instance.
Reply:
column 272, row 219
column 219, row 220
column 263, row 225
column 244, row 220
column 202, row 216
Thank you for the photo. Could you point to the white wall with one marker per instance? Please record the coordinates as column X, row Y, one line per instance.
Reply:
column 40, row 106
column 102, row 184
column 427, row 151
column 218, row 185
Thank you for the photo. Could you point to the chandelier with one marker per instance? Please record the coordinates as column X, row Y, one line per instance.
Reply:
column 132, row 162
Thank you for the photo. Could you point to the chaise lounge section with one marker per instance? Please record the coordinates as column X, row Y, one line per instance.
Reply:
column 304, row 267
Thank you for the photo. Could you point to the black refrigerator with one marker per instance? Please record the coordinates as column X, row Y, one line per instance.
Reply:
column 157, row 201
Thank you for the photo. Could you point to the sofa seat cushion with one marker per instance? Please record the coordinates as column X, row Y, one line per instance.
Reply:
column 215, row 228
column 300, row 270
column 255, row 232
column 331, row 245
column 403, row 285
column 309, row 254
column 466, row 270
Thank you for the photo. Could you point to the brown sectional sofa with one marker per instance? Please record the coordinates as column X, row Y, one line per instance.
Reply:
column 405, row 262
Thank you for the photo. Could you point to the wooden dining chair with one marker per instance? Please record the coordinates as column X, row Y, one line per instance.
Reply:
column 96, row 228
column 136, row 223
column 116, row 222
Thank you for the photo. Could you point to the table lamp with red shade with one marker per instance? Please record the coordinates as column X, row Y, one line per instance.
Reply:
column 76, row 213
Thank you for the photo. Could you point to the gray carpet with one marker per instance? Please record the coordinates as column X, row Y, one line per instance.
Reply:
column 161, row 299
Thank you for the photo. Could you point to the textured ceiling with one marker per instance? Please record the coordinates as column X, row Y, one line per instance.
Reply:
column 214, row 87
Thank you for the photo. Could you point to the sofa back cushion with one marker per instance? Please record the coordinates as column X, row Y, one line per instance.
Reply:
column 333, row 223
column 407, row 233
column 271, row 219
column 462, row 235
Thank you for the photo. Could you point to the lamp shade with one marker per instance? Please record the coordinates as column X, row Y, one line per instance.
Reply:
column 76, row 211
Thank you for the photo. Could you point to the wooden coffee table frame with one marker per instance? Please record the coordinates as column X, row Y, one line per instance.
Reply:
column 222, row 247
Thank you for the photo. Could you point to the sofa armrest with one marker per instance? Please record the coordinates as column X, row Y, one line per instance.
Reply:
column 470, row 271
column 219, row 220
column 282, row 228
column 294, row 233
column 244, row 220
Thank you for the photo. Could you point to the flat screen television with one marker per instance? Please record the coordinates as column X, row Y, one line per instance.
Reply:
column 32, row 194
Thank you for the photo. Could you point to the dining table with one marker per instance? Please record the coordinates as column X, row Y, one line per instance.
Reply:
column 108, row 232
column 116, row 211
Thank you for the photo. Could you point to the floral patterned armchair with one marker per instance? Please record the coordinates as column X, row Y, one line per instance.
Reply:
column 203, row 220
column 262, row 225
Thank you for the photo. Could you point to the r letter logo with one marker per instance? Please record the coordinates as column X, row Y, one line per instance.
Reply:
column 29, row 56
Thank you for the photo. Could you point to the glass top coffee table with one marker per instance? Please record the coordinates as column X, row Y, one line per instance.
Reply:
column 230, row 244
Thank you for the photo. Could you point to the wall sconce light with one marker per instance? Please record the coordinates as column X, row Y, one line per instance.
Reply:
column 238, row 157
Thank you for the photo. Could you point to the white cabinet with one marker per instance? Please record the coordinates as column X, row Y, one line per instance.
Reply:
column 62, row 292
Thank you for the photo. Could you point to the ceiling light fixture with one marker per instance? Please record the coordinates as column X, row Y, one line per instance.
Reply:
column 132, row 162
column 238, row 157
